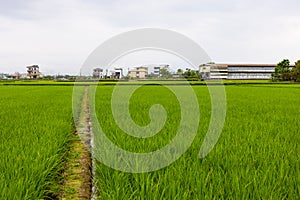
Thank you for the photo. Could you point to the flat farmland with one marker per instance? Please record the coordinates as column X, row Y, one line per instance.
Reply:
column 36, row 126
column 256, row 157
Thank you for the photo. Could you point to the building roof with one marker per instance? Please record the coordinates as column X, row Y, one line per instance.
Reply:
column 250, row 65
column 33, row 66
column 146, row 68
column 244, row 65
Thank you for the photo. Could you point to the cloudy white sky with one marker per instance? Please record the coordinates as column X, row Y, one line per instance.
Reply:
column 59, row 35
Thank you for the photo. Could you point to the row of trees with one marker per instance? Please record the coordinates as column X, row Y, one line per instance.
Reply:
column 285, row 72
column 188, row 73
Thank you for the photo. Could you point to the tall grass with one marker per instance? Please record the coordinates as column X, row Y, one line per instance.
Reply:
column 35, row 126
column 256, row 157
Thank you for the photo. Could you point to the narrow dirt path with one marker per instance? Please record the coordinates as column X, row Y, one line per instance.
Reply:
column 78, row 171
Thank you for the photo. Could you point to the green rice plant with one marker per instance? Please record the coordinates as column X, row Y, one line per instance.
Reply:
column 256, row 157
column 35, row 127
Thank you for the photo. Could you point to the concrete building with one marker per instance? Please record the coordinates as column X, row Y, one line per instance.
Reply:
column 98, row 73
column 132, row 73
column 3, row 76
column 33, row 72
column 118, row 73
column 250, row 71
column 15, row 76
column 236, row 71
column 23, row 76
column 158, row 68
column 139, row 72
column 204, row 71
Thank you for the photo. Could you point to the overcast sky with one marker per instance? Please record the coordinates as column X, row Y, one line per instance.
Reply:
column 59, row 35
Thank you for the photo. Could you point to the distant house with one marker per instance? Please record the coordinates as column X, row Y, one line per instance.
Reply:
column 3, row 76
column 23, row 76
column 157, row 69
column 14, row 76
column 139, row 72
column 132, row 73
column 33, row 72
column 98, row 73
column 118, row 73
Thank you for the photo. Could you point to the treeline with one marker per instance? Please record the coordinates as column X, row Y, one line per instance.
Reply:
column 285, row 72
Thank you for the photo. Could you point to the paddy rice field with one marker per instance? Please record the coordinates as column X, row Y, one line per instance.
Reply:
column 256, row 157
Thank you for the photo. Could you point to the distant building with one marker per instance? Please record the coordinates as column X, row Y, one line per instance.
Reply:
column 3, row 76
column 33, row 72
column 213, row 71
column 204, row 71
column 98, row 73
column 132, row 73
column 157, row 69
column 250, row 71
column 15, row 76
column 236, row 71
column 23, row 76
column 118, row 73
column 139, row 72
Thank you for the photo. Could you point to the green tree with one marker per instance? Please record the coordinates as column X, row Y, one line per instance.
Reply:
column 282, row 71
column 48, row 77
column 295, row 73
column 191, row 74
column 164, row 72
column 179, row 71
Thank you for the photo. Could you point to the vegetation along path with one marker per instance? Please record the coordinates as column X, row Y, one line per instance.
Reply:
column 78, row 173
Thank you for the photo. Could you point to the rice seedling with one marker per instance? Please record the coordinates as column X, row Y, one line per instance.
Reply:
column 256, row 157
column 36, row 125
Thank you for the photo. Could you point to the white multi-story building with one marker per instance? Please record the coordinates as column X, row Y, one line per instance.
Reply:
column 98, row 73
column 33, row 72
column 118, row 73
column 157, row 69
column 236, row 71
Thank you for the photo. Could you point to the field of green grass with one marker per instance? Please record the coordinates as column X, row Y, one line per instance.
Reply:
column 256, row 157
column 35, row 127
column 133, row 82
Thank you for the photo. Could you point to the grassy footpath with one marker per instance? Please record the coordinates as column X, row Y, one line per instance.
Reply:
column 78, row 173
column 256, row 157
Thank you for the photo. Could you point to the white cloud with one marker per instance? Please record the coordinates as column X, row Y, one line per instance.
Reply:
column 59, row 35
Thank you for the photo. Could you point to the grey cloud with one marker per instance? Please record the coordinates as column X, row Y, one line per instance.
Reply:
column 61, row 34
